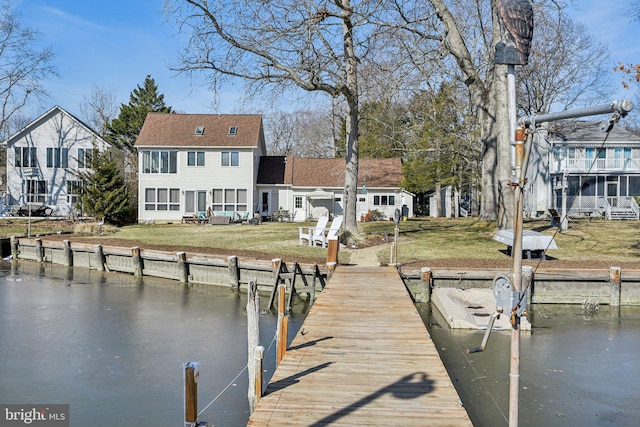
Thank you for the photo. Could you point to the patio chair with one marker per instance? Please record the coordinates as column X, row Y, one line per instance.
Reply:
column 313, row 232
column 332, row 231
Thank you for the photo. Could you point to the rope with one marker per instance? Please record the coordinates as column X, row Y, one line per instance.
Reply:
column 233, row 381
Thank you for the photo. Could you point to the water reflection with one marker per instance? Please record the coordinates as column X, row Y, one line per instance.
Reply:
column 113, row 346
column 578, row 367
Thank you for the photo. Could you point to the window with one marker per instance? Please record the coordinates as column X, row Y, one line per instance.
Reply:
column 384, row 200
column 297, row 202
column 233, row 130
column 230, row 199
column 159, row 161
column 230, row 158
column 195, row 201
column 162, row 199
column 85, row 157
column 199, row 130
column 195, row 158
column 74, row 190
column 57, row 157
column 26, row 157
column 36, row 190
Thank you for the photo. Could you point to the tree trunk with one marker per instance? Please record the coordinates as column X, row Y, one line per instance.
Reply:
column 353, row 113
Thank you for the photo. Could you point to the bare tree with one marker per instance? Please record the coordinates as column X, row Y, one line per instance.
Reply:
column 566, row 67
column 23, row 66
column 99, row 108
column 312, row 45
column 304, row 133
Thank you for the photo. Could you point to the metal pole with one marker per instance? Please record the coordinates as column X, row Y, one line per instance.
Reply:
column 621, row 107
column 511, row 95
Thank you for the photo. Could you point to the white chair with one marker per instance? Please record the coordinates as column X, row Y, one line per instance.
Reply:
column 313, row 232
column 332, row 231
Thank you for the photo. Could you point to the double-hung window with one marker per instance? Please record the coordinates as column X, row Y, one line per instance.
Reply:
column 26, row 157
column 230, row 158
column 57, row 157
column 195, row 158
column 159, row 161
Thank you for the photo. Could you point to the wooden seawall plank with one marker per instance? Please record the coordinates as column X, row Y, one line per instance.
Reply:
column 362, row 357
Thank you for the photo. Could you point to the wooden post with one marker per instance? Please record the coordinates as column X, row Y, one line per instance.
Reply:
column 425, row 275
column 183, row 267
column 191, row 374
column 615, row 281
column 258, row 358
column 253, row 341
column 14, row 247
column 39, row 255
column 68, row 254
column 97, row 249
column 281, row 346
column 234, row 272
column 136, row 259
column 333, row 247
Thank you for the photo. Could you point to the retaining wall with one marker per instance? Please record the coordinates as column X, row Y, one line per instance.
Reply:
column 180, row 266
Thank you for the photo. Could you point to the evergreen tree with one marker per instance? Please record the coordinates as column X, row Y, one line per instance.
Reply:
column 104, row 191
column 123, row 130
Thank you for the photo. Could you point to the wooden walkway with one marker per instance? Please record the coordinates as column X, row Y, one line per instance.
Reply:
column 363, row 357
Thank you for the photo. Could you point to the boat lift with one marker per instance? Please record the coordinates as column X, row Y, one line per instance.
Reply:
column 510, row 297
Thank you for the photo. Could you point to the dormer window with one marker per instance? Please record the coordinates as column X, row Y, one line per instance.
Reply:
column 199, row 130
column 233, row 130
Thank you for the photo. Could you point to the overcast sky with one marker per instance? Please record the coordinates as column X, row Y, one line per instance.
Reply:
column 116, row 43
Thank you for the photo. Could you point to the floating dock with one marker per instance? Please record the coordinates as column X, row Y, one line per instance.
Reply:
column 471, row 309
column 362, row 357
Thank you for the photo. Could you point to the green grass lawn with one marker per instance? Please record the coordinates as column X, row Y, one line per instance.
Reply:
column 420, row 239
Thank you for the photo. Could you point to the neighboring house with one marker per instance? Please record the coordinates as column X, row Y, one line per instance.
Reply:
column 311, row 187
column 191, row 163
column 44, row 157
column 598, row 177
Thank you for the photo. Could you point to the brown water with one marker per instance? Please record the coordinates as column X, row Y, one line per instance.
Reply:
column 113, row 346
column 577, row 368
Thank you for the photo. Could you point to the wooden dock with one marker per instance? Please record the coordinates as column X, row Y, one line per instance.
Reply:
column 362, row 357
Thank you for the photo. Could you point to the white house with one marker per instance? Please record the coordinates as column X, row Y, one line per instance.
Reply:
column 189, row 164
column 572, row 160
column 311, row 187
column 196, row 164
column 43, row 157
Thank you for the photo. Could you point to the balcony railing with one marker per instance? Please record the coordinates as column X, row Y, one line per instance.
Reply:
column 584, row 164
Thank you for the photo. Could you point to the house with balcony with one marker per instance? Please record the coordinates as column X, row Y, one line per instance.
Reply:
column 307, row 188
column 43, row 160
column 577, row 165
column 194, row 164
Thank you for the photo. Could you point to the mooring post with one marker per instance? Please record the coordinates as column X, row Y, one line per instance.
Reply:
column 333, row 246
column 191, row 375
column 39, row 255
column 99, row 254
column 136, row 260
column 615, row 281
column 282, row 329
column 253, row 341
column 234, row 272
column 14, row 247
column 258, row 360
column 68, row 254
column 425, row 276
column 183, row 267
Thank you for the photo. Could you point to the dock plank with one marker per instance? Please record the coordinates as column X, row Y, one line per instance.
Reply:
column 362, row 357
